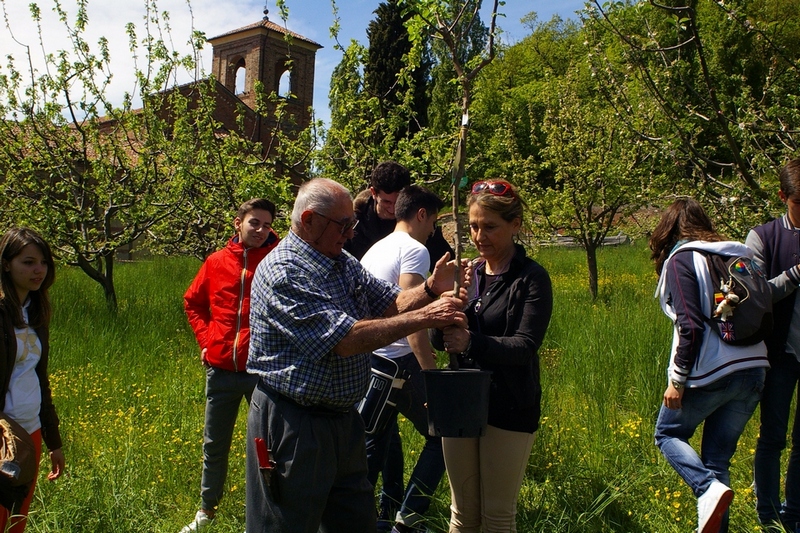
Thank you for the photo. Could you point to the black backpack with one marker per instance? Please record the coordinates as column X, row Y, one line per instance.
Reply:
column 741, row 306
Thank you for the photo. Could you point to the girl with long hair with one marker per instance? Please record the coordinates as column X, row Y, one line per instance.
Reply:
column 709, row 381
column 27, row 273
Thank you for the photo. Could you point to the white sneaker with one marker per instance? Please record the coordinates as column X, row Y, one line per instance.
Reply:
column 711, row 505
column 201, row 520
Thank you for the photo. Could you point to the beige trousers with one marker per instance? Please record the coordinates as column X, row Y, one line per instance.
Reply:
column 485, row 479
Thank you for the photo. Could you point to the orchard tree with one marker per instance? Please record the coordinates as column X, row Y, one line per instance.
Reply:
column 217, row 166
column 94, row 176
column 354, row 142
column 511, row 98
column 214, row 170
column 602, row 171
column 726, row 79
column 545, row 123
column 91, row 177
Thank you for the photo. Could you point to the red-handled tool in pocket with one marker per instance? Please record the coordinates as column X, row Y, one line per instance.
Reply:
column 267, row 467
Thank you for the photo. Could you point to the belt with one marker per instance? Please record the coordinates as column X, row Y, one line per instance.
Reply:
column 278, row 397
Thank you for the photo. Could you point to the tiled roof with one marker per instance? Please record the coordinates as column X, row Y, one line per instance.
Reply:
column 268, row 24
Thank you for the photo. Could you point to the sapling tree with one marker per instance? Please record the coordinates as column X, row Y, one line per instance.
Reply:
column 452, row 24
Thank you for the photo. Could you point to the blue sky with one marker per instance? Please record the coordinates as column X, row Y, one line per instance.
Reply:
column 310, row 18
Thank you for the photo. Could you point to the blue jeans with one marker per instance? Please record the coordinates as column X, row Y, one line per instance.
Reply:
column 779, row 387
column 724, row 407
column 430, row 465
column 225, row 390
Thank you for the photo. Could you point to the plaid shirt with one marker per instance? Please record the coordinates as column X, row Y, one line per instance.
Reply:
column 302, row 304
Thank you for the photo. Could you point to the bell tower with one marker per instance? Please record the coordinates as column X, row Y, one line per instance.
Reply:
column 281, row 60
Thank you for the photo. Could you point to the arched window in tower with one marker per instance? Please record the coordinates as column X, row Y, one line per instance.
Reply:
column 285, row 81
column 240, row 71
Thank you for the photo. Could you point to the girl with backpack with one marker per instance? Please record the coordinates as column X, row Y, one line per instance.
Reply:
column 710, row 382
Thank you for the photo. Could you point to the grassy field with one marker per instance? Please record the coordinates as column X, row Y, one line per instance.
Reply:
column 129, row 389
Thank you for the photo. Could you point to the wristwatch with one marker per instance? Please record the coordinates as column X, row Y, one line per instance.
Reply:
column 678, row 385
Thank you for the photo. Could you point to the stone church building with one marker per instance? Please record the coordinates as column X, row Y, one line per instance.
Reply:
column 264, row 53
column 268, row 53
column 281, row 60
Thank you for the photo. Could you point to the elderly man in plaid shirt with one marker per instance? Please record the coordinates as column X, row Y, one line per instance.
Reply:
column 315, row 316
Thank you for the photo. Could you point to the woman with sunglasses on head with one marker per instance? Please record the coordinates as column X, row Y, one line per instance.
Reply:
column 510, row 305
column 28, row 272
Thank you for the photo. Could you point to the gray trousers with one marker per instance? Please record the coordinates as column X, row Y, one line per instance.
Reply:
column 321, row 460
column 224, row 393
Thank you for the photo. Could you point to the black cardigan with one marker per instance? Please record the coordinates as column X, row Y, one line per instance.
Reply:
column 507, row 329
column 8, row 355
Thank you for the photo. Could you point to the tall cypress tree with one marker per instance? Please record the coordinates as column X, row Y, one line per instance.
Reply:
column 389, row 43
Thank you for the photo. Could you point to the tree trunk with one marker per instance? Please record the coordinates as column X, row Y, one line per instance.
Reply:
column 108, row 287
column 591, row 262
column 102, row 274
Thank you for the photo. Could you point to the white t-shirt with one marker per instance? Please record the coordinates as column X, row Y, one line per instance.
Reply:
column 397, row 253
column 24, row 396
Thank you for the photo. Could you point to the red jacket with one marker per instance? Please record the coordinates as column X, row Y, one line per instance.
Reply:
column 217, row 303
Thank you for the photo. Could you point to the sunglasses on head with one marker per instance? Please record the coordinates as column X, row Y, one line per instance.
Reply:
column 497, row 188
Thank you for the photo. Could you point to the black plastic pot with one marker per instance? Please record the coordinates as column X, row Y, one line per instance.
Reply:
column 458, row 402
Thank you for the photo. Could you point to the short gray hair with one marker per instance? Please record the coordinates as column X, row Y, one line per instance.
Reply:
column 318, row 194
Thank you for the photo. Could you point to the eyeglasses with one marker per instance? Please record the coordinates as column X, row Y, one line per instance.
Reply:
column 497, row 188
column 346, row 226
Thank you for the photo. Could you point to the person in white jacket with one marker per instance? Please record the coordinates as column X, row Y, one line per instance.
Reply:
column 710, row 382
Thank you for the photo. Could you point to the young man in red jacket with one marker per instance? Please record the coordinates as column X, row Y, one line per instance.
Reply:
column 217, row 304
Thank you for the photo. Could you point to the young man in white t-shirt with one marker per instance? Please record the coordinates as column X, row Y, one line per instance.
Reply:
column 401, row 257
